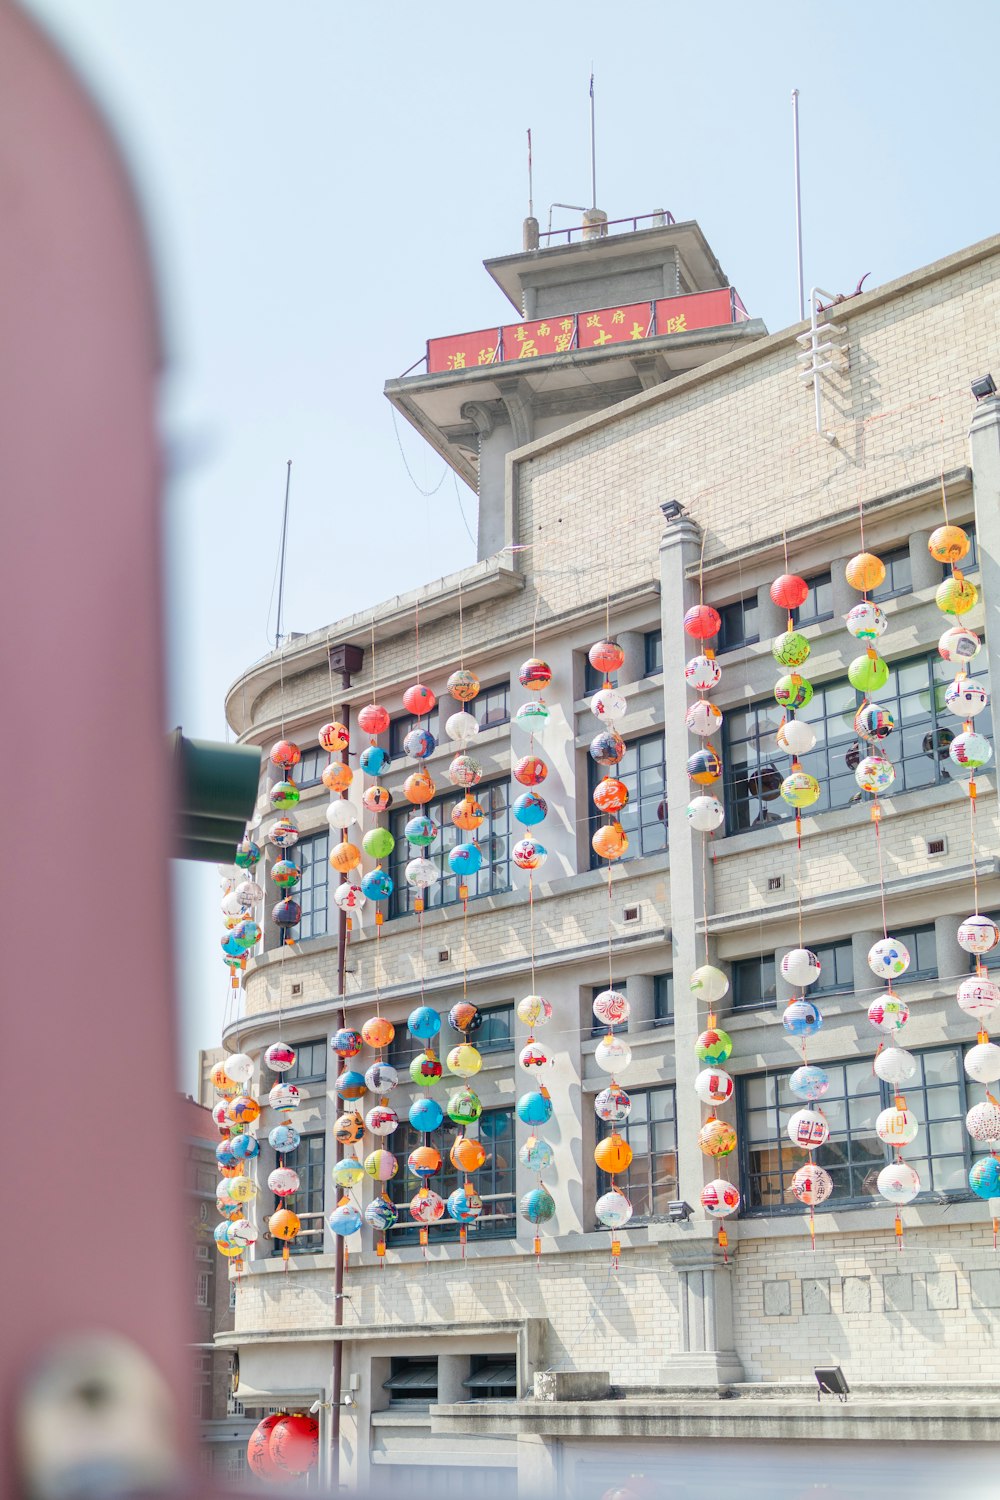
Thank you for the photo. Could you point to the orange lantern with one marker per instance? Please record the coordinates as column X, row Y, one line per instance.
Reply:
column 378, row 1032
column 221, row 1081
column 333, row 737
column 377, row 799
column 613, row 1154
column 610, row 842
column 337, row 777
column 346, row 856
column 467, row 1155
column 373, row 719
column 349, row 1128
column 948, row 544
column 606, row 656
column 865, row 571
column 284, row 1225
column 610, row 795
column 242, row 1110
column 467, row 814
column 419, row 787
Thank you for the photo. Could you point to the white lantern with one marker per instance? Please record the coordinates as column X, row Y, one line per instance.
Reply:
column 896, row 1127
column 608, row 705
column 895, row 1065
column 249, row 893
column 242, row 1232
column 800, row 967
column 983, row 1122
column 703, row 673
column 898, row 1182
column 977, row 934
column 613, row 1054
column 381, row 1120
column 534, row 1010
column 341, row 813
column 959, row 644
column 720, row 1198
column 982, row 1062
column 808, row 1128
column 282, row 1181
column 888, row 958
column 380, row 1078
column 349, row 896
column 421, row 873
column 239, row 1067
column 714, row 1086
column 888, row 1012
column 978, row 997
column 611, row 1007
column 866, row 622
column 232, row 906
column 703, row 718
column 284, row 1096
column 970, row 750
column 613, row 1209
column 966, row 698
column 706, row 814
column 709, row 984
column 462, row 728
column 796, row 737
column 531, row 1057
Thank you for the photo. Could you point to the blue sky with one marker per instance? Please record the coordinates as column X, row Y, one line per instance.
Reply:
column 322, row 182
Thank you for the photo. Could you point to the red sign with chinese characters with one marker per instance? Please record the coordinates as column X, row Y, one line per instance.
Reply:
column 463, row 351
column 614, row 325
column 698, row 310
column 546, row 336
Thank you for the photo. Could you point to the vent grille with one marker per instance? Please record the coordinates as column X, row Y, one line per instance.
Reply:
column 938, row 845
column 630, row 914
column 443, row 955
column 776, row 882
column 297, row 987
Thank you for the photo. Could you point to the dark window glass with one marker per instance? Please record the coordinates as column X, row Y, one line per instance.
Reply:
column 494, row 1181
column 854, row 1155
column 652, row 643
column 818, row 603
column 836, row 968
column 310, row 1063
column 969, row 563
column 663, row 1000
column 898, row 575
column 312, row 855
column 598, row 1028
column 919, row 943
column 492, row 836
column 593, row 680
column 753, row 983
column 650, row 1183
column 495, row 1034
column 644, row 817
column 740, row 624
column 310, row 768
column 917, row 747
column 308, row 1160
column 490, row 708
column 412, row 1382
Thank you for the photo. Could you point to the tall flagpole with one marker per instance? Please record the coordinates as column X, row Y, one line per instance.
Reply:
column 281, row 564
column 798, row 204
column 593, row 146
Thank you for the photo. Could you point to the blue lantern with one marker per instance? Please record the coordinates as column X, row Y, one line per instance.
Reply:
column 801, row 1018
column 423, row 1023
column 374, row 760
column 381, row 1214
column 345, row 1219
column 245, row 1147
column 465, row 859
column 537, row 1206
column 984, row 1177
column 421, row 830
column 283, row 1138
column 534, row 1108
column 377, row 885
column 420, row 743
column 225, row 1155
column 809, row 1082
column 425, row 1115
column 530, row 809
column 464, row 1206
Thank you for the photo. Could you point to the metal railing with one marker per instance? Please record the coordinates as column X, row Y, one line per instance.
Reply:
column 659, row 219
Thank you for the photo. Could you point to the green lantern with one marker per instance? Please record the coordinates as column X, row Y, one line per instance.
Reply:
column 790, row 649
column 868, row 673
column 378, row 843
column 464, row 1107
column 793, row 691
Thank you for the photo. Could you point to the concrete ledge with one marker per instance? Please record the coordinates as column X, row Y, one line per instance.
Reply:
column 572, row 1385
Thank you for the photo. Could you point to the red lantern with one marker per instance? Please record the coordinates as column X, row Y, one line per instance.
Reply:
column 703, row 622
column 789, row 591
column 530, row 770
column 259, row 1451
column 606, row 657
column 294, row 1444
column 418, row 700
column 373, row 719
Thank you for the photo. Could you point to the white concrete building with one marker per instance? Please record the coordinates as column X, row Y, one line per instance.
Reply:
column 607, row 475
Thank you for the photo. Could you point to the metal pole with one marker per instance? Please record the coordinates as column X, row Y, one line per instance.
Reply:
column 593, row 147
column 337, row 1373
column 798, row 204
column 531, row 193
column 281, row 563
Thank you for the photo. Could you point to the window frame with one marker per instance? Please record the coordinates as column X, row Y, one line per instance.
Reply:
column 400, row 902
column 310, row 754
column 652, row 652
column 631, row 815
column 663, row 999
column 814, row 584
column 889, row 588
column 312, row 1181
column 497, row 1225
column 727, row 640
column 740, row 970
column 294, row 1075
column 655, row 1188
column 309, row 886
column 839, row 988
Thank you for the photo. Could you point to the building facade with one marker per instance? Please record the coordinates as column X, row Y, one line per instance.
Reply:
column 691, row 465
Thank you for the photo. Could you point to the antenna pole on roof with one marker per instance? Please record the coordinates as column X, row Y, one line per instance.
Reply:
column 798, row 203
column 531, row 193
column 593, row 145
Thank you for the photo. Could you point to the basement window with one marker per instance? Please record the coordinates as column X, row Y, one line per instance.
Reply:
column 493, row 1378
column 413, row 1382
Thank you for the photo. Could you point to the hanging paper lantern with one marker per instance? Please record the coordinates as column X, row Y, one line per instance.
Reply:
column 286, row 1137
column 464, row 1060
column 225, row 1156
column 467, row 1154
column 608, row 705
column 709, row 984
column 866, row 622
column 421, row 831
column 984, row 1177
column 809, row 1082
column 535, row 675
column 703, row 718
column 378, row 843
column 530, row 809
column 345, row 1219
column 812, row 1185
column 259, row 1457
column 898, row 1182
column 381, row 1214
column 423, row 1162
column 801, row 1018
column 607, row 748
column 532, row 1109
column 611, row 1007
column 464, row 1016
column 895, row 1065
column 425, row 1070
column 350, row 1084
column 465, row 771
column 345, row 857
column 800, row 789
column 714, row 1086
column 247, row 854
column 719, row 1198
column 808, row 1128
column 349, row 896
column 897, row 1127
column 978, row 997
column 462, row 727
column 284, row 1225
column 283, row 1095
column 242, row 1110
column 465, row 859
column 242, row 1189
column 790, row 650
column 333, row 737
column 348, row 1128
column 800, row 967
column 535, row 1154
column 530, row 770
column 957, row 644
column 983, row 1122
column 346, row 1043
column 606, row 656
column 337, row 776
column 221, row 1081
column 714, row 1046
column 426, row 1207
column 888, row 958
column 537, row 1206
column 534, row 1010
column 374, row 761
column 613, row 1054
column 610, row 795
column 373, row 719
column 425, row 1115
column 982, row 1062
column 284, row 794
column 378, row 1032
column 239, row 1066
column 873, row 722
column 532, row 717
column 419, row 788
column 533, row 1055
column 248, row 893
column 382, row 1166
column 704, row 766
column 464, row 1205
column 245, row 1147
column 796, row 737
column 294, row 1441
column 340, row 814
column 966, row 698
column 279, row 1057
column 613, row 1105
column 970, row 750
column 219, row 1111
column 875, row 774
column 948, row 544
column 468, row 814
column 348, row 1172
column 283, row 1181
column 377, row 799
column 242, row 1234
column 789, row 591
column 703, row 673
column 705, row 814
column 377, row 885
column 463, row 686
column 529, row 854
column 285, row 874
column 465, row 1107
column 865, row 572
column 613, row 1209
column 888, row 1012
column 381, row 1078
column 419, row 700
column 717, row 1138
column 956, row 595
column 613, row 1154
column 868, row 673
column 977, row 934
column 702, row 622
column 610, row 841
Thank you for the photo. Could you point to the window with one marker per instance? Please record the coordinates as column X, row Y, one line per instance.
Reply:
column 493, row 1377
column 969, row 563
column 494, row 1035
column 493, row 837
column 652, row 646
column 490, row 708
column 310, row 1063
column 412, row 1382
column 312, row 855
column 202, row 1252
column 920, row 944
column 203, row 1213
column 854, row 1155
column 913, row 694
column 201, row 1393
column 818, row 603
column 836, row 968
column 494, row 1182
column 202, row 1285
column 309, row 771
column 308, row 1160
column 740, row 624
column 644, row 817
column 593, row 680
column 754, row 983
column 651, row 1130
column 232, row 1296
column 898, row 575
column 663, row 1000
column 601, row 1028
